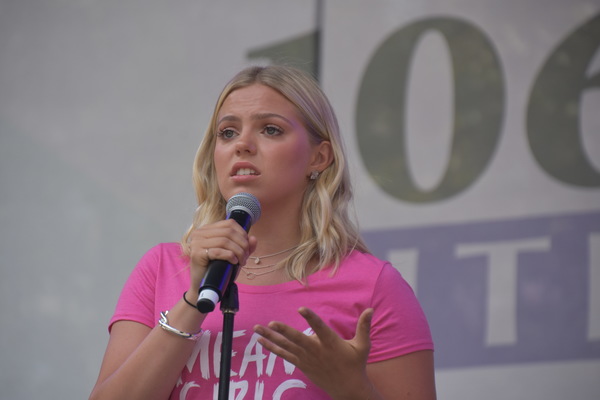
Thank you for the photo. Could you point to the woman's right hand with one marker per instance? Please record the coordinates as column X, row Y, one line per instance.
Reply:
column 223, row 240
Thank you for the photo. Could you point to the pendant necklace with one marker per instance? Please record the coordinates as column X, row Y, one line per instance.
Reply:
column 251, row 274
column 258, row 258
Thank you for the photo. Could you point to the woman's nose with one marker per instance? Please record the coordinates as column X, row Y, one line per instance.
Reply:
column 245, row 144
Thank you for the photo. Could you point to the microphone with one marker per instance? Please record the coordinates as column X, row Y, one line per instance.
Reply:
column 244, row 209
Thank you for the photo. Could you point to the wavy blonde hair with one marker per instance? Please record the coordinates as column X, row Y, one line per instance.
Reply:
column 328, row 233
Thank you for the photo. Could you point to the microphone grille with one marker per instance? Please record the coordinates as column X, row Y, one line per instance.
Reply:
column 246, row 202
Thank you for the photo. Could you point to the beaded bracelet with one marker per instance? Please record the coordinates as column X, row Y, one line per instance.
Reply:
column 164, row 323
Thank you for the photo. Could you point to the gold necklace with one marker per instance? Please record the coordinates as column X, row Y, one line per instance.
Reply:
column 258, row 258
column 251, row 275
column 260, row 266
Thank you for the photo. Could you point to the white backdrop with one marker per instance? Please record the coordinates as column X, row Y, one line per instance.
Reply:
column 103, row 103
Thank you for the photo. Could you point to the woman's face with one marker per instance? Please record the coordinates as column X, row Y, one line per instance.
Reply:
column 263, row 148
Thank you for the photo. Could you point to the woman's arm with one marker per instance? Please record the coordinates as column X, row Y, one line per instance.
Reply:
column 144, row 363
column 407, row 377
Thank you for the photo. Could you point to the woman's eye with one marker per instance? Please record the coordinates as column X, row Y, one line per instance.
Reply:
column 270, row 130
column 226, row 133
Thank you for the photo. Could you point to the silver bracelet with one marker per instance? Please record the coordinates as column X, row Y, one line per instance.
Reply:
column 164, row 323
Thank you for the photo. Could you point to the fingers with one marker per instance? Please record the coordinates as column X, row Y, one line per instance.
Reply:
column 282, row 341
column 291, row 344
column 327, row 336
column 283, row 338
column 223, row 240
column 363, row 329
column 325, row 357
column 324, row 332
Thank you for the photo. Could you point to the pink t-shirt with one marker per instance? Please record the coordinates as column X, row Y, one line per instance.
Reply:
column 362, row 281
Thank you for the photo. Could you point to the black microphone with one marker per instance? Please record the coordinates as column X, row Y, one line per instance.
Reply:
column 244, row 209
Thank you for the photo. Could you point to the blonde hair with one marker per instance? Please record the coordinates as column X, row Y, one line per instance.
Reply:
column 328, row 233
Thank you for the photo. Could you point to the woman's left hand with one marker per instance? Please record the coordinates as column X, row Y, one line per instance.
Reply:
column 336, row 365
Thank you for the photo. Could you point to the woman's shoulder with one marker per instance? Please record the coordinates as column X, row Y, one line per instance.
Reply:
column 164, row 254
column 361, row 260
column 166, row 249
column 364, row 265
column 369, row 266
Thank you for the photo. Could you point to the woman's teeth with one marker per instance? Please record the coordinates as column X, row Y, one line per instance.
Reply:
column 245, row 171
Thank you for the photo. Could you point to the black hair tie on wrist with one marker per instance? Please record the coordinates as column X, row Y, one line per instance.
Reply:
column 186, row 300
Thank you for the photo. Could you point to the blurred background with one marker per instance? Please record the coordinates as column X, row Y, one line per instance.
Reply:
column 473, row 130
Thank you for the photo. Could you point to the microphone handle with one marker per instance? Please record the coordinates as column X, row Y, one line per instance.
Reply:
column 220, row 273
column 214, row 284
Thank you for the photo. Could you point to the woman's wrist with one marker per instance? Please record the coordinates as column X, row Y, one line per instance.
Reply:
column 184, row 316
column 190, row 300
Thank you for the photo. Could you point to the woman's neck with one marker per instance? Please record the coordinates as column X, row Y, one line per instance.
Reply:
column 274, row 238
column 277, row 230
column 275, row 242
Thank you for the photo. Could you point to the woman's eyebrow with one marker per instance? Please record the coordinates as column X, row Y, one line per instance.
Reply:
column 228, row 118
column 260, row 116
column 255, row 117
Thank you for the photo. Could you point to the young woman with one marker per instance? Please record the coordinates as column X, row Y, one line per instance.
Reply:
column 319, row 318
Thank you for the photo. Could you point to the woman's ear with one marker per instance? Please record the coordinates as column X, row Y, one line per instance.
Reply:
column 322, row 157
